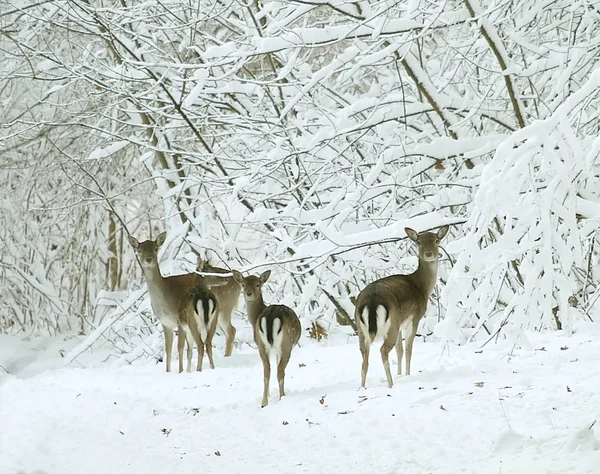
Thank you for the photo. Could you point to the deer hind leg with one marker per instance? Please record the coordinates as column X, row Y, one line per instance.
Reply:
column 386, row 347
column 209, row 347
column 411, row 331
column 364, row 344
column 194, row 337
column 282, row 363
column 180, row 346
column 168, row 346
column 229, row 330
column 190, row 348
column 264, row 356
column 399, row 352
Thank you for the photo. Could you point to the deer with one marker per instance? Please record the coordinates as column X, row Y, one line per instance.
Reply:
column 393, row 305
column 276, row 329
column 180, row 301
column 198, row 312
column 227, row 291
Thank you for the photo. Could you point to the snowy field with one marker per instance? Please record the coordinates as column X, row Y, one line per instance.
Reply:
column 500, row 409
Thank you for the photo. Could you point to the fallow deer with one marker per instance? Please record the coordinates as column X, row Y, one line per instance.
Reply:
column 276, row 329
column 199, row 312
column 227, row 293
column 171, row 297
column 395, row 304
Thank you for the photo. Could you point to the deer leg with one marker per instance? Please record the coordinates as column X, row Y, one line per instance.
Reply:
column 399, row 352
column 364, row 350
column 168, row 346
column 386, row 347
column 281, row 365
column 264, row 355
column 410, row 338
column 200, row 355
column 209, row 348
column 190, row 348
column 180, row 346
column 229, row 330
column 194, row 337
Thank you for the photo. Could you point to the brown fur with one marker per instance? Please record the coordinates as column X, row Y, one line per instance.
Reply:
column 227, row 293
column 262, row 317
column 403, row 300
column 169, row 297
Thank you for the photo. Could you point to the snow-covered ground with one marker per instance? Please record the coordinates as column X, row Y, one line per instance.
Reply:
column 465, row 410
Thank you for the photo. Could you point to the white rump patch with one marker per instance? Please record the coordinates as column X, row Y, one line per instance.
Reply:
column 199, row 315
column 364, row 320
column 262, row 330
column 382, row 325
column 277, row 338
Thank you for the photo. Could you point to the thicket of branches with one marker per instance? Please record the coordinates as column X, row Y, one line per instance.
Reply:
column 289, row 135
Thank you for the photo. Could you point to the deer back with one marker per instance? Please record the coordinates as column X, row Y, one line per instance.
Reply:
column 228, row 293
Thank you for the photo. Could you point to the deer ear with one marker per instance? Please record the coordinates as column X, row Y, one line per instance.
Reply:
column 441, row 233
column 237, row 276
column 412, row 234
column 133, row 242
column 161, row 238
column 265, row 276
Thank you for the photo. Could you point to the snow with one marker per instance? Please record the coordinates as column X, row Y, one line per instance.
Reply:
column 465, row 409
column 113, row 148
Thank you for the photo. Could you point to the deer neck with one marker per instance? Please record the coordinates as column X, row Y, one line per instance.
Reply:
column 254, row 308
column 425, row 276
column 154, row 280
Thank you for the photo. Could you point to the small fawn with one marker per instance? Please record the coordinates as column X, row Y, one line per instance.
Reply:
column 276, row 329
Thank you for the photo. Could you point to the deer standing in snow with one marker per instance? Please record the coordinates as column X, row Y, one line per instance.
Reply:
column 180, row 301
column 227, row 291
column 276, row 329
column 395, row 304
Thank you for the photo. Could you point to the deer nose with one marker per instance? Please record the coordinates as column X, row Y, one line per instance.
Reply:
column 148, row 260
column 429, row 254
column 248, row 293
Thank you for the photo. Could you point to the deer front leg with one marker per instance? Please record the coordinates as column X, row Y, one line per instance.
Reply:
column 410, row 338
column 229, row 330
column 168, row 346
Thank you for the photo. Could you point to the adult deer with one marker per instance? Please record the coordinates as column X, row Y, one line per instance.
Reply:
column 227, row 293
column 276, row 329
column 179, row 301
column 395, row 304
